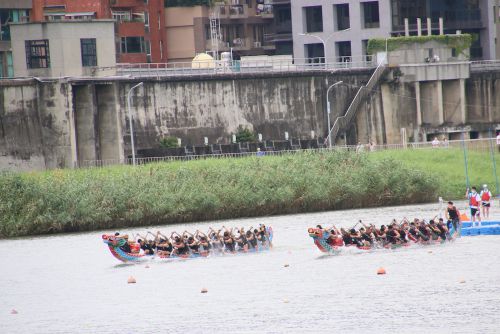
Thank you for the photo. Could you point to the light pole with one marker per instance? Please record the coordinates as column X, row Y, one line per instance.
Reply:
column 328, row 111
column 129, row 97
column 324, row 41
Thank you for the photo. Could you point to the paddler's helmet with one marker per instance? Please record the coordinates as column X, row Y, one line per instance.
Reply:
column 485, row 186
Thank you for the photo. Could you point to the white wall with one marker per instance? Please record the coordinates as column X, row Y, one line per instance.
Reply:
column 64, row 46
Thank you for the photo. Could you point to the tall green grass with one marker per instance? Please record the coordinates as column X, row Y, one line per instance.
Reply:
column 88, row 199
column 449, row 168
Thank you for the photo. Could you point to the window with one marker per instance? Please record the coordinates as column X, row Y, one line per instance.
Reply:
column 89, row 52
column 344, row 51
column 315, row 53
column 314, row 19
column 364, row 47
column 37, row 53
column 370, row 14
column 146, row 19
column 343, row 21
column 132, row 45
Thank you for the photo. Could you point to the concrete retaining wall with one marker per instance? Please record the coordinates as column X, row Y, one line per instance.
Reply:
column 61, row 124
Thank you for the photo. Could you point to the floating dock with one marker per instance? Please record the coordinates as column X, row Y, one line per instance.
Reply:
column 486, row 228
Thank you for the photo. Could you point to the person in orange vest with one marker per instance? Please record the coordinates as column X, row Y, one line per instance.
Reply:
column 485, row 201
column 474, row 202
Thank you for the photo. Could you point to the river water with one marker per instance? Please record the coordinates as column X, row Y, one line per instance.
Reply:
column 72, row 284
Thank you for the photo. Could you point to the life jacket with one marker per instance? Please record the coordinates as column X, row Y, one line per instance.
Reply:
column 485, row 196
column 473, row 201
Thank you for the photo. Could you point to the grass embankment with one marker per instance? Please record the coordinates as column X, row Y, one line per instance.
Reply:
column 88, row 199
column 447, row 165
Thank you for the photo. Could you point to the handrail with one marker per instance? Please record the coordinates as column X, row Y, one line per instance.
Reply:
column 343, row 121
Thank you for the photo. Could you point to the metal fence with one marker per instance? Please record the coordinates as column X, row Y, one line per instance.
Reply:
column 221, row 67
column 479, row 145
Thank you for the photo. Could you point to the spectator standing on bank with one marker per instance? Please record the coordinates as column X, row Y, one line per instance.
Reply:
column 435, row 142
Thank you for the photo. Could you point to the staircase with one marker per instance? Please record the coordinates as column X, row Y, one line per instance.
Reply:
column 342, row 123
column 215, row 34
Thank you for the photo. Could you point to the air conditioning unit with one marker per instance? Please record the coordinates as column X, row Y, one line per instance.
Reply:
column 257, row 44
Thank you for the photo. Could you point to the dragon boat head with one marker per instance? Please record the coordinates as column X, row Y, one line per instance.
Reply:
column 113, row 241
column 317, row 233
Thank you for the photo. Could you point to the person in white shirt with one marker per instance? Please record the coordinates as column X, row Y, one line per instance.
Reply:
column 498, row 142
column 485, row 201
column 435, row 142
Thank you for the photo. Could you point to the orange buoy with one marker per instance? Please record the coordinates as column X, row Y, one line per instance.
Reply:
column 13, row 311
column 204, row 290
column 381, row 271
column 131, row 280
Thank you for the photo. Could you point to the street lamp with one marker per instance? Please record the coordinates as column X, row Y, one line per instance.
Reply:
column 328, row 111
column 129, row 97
column 324, row 41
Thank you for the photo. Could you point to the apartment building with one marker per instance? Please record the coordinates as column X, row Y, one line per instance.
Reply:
column 281, row 33
column 139, row 28
column 496, row 22
column 344, row 27
column 62, row 47
column 242, row 27
column 11, row 11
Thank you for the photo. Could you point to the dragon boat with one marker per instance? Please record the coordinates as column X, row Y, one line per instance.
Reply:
column 325, row 244
column 115, row 243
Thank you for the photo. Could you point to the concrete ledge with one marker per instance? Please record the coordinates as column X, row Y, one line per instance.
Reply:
column 435, row 71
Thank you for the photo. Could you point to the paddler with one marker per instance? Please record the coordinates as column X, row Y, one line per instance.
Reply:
column 392, row 235
column 485, row 201
column 453, row 216
column 180, row 248
column 474, row 202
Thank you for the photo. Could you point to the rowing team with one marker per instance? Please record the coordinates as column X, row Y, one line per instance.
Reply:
column 394, row 233
column 223, row 240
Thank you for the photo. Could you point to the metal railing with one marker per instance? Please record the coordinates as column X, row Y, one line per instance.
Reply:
column 478, row 145
column 343, row 122
column 485, row 65
column 218, row 67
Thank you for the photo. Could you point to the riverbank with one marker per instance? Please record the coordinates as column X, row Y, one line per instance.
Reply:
column 447, row 165
column 114, row 197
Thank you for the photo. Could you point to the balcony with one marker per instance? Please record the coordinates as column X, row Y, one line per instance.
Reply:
column 237, row 44
column 280, row 2
column 265, row 11
column 127, row 3
column 233, row 11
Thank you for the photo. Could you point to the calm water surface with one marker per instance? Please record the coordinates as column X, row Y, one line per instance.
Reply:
column 72, row 284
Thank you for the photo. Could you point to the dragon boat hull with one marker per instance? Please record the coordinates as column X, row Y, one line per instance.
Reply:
column 114, row 245
column 321, row 240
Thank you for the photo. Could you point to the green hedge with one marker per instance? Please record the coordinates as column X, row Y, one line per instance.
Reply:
column 459, row 42
column 105, row 198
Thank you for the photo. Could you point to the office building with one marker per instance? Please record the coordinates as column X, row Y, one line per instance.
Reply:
column 345, row 26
